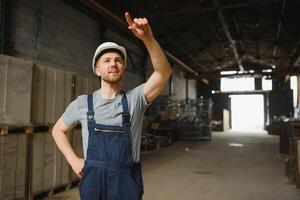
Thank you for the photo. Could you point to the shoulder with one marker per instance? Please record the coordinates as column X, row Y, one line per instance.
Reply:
column 136, row 96
column 81, row 100
column 136, row 91
column 81, row 97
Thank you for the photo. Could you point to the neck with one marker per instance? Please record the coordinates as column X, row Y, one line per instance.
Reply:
column 109, row 90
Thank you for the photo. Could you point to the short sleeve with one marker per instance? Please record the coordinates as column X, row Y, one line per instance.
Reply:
column 138, row 96
column 71, row 115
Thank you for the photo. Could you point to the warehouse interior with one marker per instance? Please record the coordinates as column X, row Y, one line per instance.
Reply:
column 226, row 126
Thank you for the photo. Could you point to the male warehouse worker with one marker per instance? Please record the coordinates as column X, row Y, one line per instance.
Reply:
column 111, row 121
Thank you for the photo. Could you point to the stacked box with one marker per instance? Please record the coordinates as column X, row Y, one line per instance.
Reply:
column 13, row 166
column 86, row 84
column 38, row 163
column 49, row 168
column 291, row 131
column 77, row 147
column 52, row 93
column 15, row 90
column 297, row 166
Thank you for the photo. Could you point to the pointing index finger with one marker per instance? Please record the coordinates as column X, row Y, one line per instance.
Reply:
column 128, row 19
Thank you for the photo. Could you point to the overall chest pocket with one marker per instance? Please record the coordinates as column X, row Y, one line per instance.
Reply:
column 106, row 131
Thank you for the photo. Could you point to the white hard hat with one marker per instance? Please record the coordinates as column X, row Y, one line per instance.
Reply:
column 106, row 46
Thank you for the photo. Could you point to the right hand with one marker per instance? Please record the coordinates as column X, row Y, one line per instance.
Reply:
column 139, row 27
column 77, row 166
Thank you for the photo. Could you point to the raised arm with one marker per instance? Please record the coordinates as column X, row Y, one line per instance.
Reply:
column 162, row 69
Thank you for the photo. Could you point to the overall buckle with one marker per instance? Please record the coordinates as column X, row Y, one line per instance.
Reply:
column 126, row 118
column 90, row 116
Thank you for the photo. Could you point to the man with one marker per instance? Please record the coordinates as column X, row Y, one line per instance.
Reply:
column 111, row 121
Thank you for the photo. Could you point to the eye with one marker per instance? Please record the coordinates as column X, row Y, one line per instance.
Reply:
column 119, row 61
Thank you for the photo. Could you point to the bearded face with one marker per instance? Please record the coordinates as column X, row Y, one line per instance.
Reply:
column 110, row 67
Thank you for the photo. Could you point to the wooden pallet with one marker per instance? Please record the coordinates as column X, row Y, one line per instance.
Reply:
column 7, row 129
column 27, row 129
column 51, row 191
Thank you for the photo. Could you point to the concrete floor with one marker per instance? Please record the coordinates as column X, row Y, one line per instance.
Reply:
column 214, row 170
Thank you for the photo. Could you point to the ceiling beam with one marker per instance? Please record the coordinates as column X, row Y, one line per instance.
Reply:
column 296, row 56
column 216, row 75
column 297, row 61
column 216, row 35
column 181, row 48
column 228, row 35
column 279, row 27
column 184, row 28
column 179, row 62
column 237, row 26
column 205, row 48
column 197, row 10
column 248, row 64
column 180, row 12
column 257, row 34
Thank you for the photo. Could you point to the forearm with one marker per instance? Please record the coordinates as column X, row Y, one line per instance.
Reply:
column 162, row 69
column 64, row 145
column 158, row 57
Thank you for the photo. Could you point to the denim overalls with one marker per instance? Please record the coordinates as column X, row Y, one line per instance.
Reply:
column 109, row 172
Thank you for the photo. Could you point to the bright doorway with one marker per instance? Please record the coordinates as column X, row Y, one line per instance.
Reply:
column 247, row 112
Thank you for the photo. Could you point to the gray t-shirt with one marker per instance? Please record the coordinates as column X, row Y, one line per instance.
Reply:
column 109, row 112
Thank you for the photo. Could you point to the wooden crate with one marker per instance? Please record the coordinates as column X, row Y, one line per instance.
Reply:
column 284, row 137
column 15, row 90
column 294, row 129
column 13, row 166
column 49, row 168
column 297, row 162
column 78, row 149
column 38, row 163
column 291, row 164
column 288, row 131
column 275, row 128
column 52, row 93
column 86, row 84
column 293, row 168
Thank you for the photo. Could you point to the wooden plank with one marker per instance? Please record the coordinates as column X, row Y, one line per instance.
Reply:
column 48, row 158
column 86, row 84
column 52, row 92
column 21, row 166
column 39, row 94
column 38, row 162
column 78, row 149
column 50, row 169
column 8, row 164
column 297, row 159
column 61, row 168
column 12, row 166
column 15, row 90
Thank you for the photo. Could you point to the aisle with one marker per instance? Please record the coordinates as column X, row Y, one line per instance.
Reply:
column 250, row 168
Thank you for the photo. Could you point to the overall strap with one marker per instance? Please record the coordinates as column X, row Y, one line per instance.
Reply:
column 90, row 113
column 125, row 114
column 126, row 122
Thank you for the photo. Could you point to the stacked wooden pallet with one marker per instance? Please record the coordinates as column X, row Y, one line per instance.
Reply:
column 32, row 98
column 293, row 159
column 13, row 165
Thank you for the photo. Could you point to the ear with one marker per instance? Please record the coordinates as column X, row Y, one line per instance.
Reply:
column 97, row 71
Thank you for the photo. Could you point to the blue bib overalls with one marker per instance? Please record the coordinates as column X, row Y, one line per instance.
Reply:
column 109, row 172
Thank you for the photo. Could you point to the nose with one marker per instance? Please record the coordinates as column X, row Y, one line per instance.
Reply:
column 113, row 63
